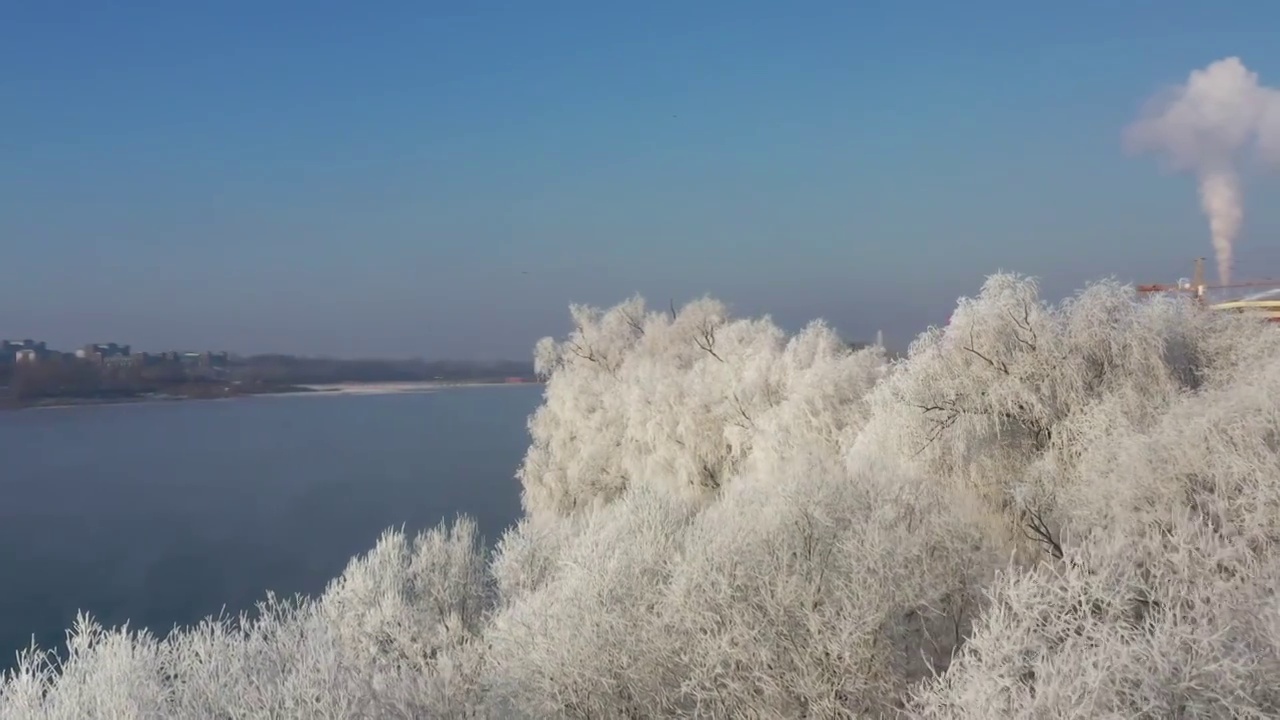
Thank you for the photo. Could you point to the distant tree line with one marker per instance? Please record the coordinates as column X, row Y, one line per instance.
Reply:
column 62, row 378
column 318, row 371
column 65, row 378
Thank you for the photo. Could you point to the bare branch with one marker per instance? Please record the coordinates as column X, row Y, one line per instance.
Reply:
column 707, row 339
column 633, row 323
column 1000, row 365
column 1040, row 533
column 943, row 417
column 741, row 411
column 1024, row 325
column 585, row 353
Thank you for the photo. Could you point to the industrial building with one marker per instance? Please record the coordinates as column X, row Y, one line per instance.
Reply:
column 1260, row 298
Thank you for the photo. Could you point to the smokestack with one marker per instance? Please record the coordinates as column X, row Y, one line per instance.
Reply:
column 880, row 339
column 1208, row 126
column 1197, row 280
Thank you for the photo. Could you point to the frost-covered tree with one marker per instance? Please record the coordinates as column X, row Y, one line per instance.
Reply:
column 1167, row 506
column 1009, row 399
column 396, row 635
column 680, row 400
column 1043, row 510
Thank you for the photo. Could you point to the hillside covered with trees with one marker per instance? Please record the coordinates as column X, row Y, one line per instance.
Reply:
column 1057, row 511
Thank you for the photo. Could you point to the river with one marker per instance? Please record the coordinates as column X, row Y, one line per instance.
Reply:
column 166, row 512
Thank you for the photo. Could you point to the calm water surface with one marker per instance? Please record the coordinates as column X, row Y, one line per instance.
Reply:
column 165, row 513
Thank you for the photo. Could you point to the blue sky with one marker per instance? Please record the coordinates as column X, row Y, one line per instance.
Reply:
column 442, row 179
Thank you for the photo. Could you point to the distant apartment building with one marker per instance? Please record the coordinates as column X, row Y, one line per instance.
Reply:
column 98, row 352
column 190, row 360
column 22, row 351
column 112, row 355
column 121, row 361
column 108, row 354
column 161, row 358
column 204, row 360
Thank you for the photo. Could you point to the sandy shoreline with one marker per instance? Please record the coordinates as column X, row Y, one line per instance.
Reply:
column 395, row 388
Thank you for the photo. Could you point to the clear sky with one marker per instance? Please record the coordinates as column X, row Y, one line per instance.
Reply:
column 442, row 179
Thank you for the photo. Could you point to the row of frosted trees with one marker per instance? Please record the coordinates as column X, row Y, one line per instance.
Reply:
column 1066, row 511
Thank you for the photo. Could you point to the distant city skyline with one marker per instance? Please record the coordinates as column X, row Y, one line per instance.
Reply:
column 31, row 350
column 416, row 182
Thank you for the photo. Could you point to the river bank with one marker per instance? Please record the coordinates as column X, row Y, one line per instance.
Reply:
column 231, row 393
column 204, row 393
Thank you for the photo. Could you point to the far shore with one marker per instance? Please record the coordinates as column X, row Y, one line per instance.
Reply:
column 332, row 389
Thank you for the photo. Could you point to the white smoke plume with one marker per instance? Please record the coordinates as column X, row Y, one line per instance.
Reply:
column 1220, row 119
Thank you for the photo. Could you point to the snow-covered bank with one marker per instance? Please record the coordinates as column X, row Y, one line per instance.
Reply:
column 393, row 388
column 1043, row 511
